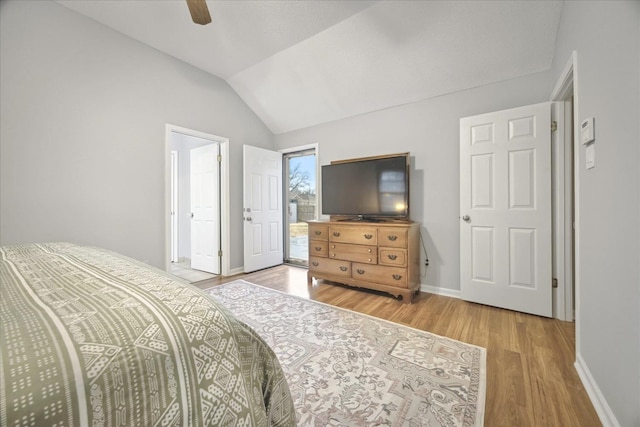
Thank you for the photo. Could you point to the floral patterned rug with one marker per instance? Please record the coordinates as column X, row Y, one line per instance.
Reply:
column 349, row 369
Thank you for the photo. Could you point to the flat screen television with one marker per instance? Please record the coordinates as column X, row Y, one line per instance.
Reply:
column 368, row 188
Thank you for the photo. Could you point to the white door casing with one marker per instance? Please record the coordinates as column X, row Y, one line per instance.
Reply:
column 262, row 211
column 205, row 238
column 505, row 209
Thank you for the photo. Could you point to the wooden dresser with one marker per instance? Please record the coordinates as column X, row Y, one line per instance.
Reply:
column 376, row 255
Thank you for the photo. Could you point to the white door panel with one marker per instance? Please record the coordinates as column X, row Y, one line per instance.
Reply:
column 174, row 206
column 263, row 215
column 205, row 238
column 505, row 209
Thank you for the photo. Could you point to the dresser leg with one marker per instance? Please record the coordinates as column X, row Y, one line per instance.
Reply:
column 406, row 297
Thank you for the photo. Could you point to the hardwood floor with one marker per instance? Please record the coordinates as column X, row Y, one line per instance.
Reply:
column 531, row 380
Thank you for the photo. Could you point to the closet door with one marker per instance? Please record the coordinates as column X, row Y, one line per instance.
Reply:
column 505, row 209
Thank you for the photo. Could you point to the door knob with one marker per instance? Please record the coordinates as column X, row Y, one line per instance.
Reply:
column 466, row 218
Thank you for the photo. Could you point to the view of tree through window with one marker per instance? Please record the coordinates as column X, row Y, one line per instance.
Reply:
column 299, row 177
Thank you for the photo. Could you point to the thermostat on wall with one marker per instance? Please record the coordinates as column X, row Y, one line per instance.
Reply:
column 587, row 133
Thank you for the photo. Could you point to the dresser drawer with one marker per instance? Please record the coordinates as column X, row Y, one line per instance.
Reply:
column 318, row 231
column 392, row 276
column 361, row 235
column 357, row 253
column 318, row 247
column 395, row 257
column 393, row 237
column 330, row 266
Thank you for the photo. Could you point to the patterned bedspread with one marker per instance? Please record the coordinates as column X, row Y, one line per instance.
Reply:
column 92, row 338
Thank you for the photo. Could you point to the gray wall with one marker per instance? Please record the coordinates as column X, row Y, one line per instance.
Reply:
column 82, row 142
column 606, row 37
column 429, row 130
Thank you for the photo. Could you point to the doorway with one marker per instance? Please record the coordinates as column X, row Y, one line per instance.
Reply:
column 300, row 190
column 183, row 176
column 566, row 184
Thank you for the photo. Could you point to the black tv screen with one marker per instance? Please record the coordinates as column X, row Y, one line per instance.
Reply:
column 376, row 187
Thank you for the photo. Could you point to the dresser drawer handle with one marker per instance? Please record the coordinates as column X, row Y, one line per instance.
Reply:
column 318, row 248
column 392, row 257
column 336, row 233
column 368, row 236
column 318, row 233
column 343, row 268
column 397, row 276
column 360, row 271
column 392, row 238
column 315, row 264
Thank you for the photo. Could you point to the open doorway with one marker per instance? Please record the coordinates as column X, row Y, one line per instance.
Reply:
column 196, row 189
column 300, row 178
column 565, row 181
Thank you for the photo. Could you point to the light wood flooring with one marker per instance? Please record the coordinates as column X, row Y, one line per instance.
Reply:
column 531, row 380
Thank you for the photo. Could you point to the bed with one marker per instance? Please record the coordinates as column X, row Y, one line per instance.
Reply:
column 92, row 338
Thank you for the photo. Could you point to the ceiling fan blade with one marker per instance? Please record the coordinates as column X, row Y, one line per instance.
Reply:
column 199, row 11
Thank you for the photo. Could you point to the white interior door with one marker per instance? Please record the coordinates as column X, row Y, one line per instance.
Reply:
column 262, row 211
column 174, row 206
column 505, row 209
column 205, row 234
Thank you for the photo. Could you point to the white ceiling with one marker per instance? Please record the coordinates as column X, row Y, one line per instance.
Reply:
column 301, row 63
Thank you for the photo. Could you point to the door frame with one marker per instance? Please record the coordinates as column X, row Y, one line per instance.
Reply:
column 224, row 193
column 566, row 256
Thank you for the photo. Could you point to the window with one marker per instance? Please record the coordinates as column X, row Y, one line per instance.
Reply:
column 300, row 195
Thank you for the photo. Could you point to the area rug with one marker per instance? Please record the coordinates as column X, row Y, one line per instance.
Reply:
column 350, row 369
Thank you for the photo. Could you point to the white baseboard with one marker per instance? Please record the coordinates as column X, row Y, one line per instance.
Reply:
column 453, row 293
column 235, row 271
column 607, row 418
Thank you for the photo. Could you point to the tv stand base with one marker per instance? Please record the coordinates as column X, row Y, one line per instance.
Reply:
column 362, row 219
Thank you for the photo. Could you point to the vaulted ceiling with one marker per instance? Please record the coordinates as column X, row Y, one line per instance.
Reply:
column 302, row 63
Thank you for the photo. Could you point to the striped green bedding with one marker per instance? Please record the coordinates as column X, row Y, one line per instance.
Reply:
column 92, row 338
